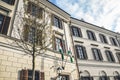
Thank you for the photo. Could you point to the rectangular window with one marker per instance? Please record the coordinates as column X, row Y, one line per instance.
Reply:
column 86, row 78
column 110, row 56
column 31, row 34
column 113, row 41
column 57, row 22
column 81, row 52
column 59, row 43
column 11, row 2
column 35, row 10
column 76, row 31
column 27, row 75
column 91, row 35
column 97, row 54
column 103, row 38
column 4, row 24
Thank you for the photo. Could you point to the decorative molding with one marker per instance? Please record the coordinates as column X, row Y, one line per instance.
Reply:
column 106, row 47
column 78, row 41
column 94, row 45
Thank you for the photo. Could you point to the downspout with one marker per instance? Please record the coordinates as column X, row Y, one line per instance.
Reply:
column 76, row 61
column 12, row 22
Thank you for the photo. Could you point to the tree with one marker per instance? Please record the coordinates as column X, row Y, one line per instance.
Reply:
column 33, row 30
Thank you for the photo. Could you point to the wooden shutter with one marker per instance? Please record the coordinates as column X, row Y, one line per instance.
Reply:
column 91, row 78
column 25, row 32
column 29, row 7
column 24, row 74
column 63, row 46
column 6, row 25
column 52, row 19
column 85, row 53
column 111, row 41
column 40, row 13
column 60, row 23
column 42, row 76
column 76, row 50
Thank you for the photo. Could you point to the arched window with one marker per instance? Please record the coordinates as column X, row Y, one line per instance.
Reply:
column 103, row 76
column 116, row 75
column 86, row 76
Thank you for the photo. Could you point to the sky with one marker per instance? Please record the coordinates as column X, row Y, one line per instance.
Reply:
column 103, row 13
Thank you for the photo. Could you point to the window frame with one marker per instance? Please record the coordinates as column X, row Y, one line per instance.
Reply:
column 62, row 42
column 103, row 38
column 110, row 56
column 4, row 27
column 32, row 7
column 91, row 35
column 57, row 22
column 113, row 41
column 76, row 32
column 97, row 54
column 81, row 52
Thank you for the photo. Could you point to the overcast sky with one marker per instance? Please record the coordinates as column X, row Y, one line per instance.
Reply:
column 104, row 13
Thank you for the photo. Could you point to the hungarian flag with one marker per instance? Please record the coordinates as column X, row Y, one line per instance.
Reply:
column 61, row 51
column 70, row 54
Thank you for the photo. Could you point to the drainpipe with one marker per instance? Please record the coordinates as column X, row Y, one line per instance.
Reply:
column 76, row 61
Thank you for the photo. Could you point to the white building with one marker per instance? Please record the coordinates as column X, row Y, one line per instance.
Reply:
column 95, row 49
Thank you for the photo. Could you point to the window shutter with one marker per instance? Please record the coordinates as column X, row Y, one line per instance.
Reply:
column 6, row 25
column 40, row 13
column 29, row 7
column 85, row 53
column 42, row 76
column 111, row 41
column 118, row 56
column 72, row 30
column 112, row 57
column 52, row 19
column 100, row 55
column 25, row 32
column 61, row 23
column 24, row 74
column 93, row 53
column 77, row 54
column 63, row 46
column 79, row 32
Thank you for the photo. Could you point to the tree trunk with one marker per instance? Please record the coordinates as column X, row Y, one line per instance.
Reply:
column 33, row 63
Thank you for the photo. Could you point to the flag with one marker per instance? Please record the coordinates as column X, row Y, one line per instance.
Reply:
column 70, row 54
column 61, row 51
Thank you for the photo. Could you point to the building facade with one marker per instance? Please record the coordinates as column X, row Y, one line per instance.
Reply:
column 95, row 50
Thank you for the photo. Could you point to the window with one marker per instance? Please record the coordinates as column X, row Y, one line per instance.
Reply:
column 86, row 78
column 117, row 76
column 110, row 56
column 91, row 35
column 118, row 56
column 35, row 10
column 57, row 22
column 103, row 38
column 104, row 78
column 27, row 75
column 63, row 77
column 32, row 35
column 11, row 2
column 76, row 31
column 113, row 41
column 97, row 54
column 81, row 52
column 59, row 42
column 4, row 24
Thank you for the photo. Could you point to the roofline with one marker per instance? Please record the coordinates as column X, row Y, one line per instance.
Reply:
column 94, row 25
column 58, row 7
